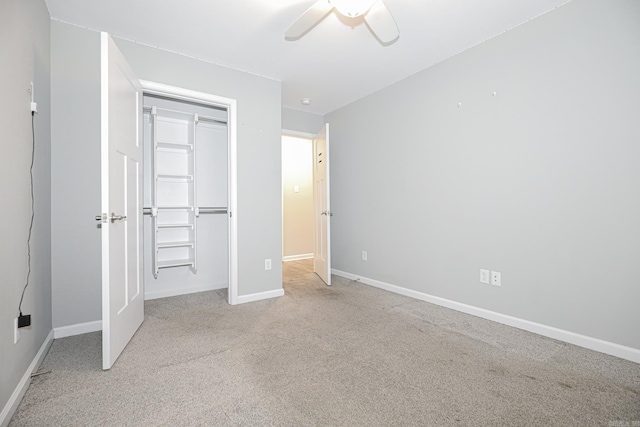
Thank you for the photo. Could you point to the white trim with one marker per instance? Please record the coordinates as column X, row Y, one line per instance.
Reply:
column 624, row 352
column 232, row 127
column 232, row 124
column 77, row 329
column 18, row 393
column 296, row 257
column 260, row 296
column 328, row 191
column 183, row 94
column 298, row 134
column 150, row 295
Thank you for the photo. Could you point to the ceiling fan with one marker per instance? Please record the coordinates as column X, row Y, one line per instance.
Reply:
column 374, row 12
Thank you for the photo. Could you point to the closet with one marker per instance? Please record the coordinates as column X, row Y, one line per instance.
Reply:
column 185, row 197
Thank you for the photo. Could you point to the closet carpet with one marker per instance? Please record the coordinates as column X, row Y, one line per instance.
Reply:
column 345, row 355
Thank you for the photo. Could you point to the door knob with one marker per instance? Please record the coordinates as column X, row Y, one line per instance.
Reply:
column 115, row 217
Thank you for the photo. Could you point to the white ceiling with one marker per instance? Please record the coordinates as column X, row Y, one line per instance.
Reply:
column 334, row 64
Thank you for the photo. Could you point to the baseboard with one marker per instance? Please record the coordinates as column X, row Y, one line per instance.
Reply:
column 23, row 385
column 77, row 329
column 296, row 257
column 621, row 351
column 183, row 291
column 260, row 296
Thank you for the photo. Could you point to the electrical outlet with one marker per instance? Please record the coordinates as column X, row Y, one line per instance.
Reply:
column 484, row 276
column 267, row 264
column 495, row 278
column 364, row 255
column 16, row 331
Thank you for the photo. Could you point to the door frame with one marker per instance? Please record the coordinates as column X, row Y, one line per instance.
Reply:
column 295, row 134
column 181, row 94
column 310, row 137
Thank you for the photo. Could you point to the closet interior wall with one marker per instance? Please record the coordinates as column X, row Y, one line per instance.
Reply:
column 185, row 197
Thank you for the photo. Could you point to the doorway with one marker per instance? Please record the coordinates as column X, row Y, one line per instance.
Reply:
column 305, row 166
column 298, row 219
column 184, row 263
column 185, row 236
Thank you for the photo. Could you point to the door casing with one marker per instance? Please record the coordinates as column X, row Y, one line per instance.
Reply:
column 311, row 137
column 181, row 94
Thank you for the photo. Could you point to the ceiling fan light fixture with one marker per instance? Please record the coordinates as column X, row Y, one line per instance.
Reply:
column 374, row 12
column 352, row 8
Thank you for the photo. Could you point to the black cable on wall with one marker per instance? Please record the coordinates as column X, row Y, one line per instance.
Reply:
column 33, row 155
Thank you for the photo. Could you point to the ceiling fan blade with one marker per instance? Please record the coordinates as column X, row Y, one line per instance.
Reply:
column 381, row 22
column 309, row 19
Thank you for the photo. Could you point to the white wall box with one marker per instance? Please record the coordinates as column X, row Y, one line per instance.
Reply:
column 185, row 197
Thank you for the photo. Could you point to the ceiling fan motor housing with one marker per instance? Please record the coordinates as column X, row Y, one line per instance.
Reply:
column 352, row 8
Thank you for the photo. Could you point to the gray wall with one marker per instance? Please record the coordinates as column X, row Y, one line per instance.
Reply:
column 76, row 164
column 540, row 182
column 75, row 175
column 24, row 57
column 301, row 121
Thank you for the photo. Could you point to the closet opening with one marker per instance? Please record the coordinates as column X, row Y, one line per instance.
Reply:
column 190, row 231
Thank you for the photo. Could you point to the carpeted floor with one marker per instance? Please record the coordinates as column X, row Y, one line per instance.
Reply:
column 345, row 355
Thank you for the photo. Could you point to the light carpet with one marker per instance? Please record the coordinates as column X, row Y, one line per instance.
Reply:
column 345, row 355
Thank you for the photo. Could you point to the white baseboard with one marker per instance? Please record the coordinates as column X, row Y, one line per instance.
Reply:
column 182, row 291
column 296, row 257
column 260, row 296
column 77, row 329
column 624, row 352
column 23, row 385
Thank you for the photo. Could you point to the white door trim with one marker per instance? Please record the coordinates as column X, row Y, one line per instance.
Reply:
column 298, row 134
column 154, row 88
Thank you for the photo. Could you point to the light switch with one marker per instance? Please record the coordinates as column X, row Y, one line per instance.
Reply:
column 296, row 189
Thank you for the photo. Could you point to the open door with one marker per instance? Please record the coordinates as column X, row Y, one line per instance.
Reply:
column 121, row 191
column 322, row 251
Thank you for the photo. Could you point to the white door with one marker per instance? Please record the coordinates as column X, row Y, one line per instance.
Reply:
column 322, row 251
column 121, row 174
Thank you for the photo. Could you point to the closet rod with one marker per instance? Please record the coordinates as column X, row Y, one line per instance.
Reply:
column 207, row 209
column 213, row 210
column 202, row 118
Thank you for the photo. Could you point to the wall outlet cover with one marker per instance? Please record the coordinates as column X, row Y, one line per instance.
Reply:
column 16, row 331
column 484, row 276
column 495, row 278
